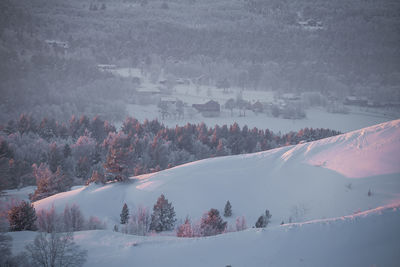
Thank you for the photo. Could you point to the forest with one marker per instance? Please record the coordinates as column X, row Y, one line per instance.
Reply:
column 54, row 156
column 254, row 44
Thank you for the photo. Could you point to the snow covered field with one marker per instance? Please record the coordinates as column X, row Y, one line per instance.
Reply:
column 317, row 117
column 370, row 239
column 322, row 186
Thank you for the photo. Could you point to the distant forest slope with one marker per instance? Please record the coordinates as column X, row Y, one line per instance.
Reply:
column 337, row 47
column 55, row 156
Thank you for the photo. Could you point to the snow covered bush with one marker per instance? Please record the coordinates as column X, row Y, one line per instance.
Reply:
column 298, row 213
column 212, row 223
column 139, row 223
column 185, row 229
column 73, row 218
column 22, row 217
column 241, row 223
column 48, row 221
column 94, row 223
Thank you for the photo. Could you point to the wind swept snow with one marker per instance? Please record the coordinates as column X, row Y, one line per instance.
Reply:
column 307, row 181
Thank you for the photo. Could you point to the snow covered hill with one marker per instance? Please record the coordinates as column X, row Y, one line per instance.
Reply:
column 366, row 239
column 323, row 179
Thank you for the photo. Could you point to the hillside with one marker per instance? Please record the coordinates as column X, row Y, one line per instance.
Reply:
column 322, row 179
column 367, row 239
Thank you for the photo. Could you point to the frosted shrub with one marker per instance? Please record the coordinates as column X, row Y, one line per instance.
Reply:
column 241, row 223
column 185, row 230
column 139, row 223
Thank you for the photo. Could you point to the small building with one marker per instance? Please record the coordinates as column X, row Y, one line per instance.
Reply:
column 355, row 101
column 311, row 24
column 290, row 97
column 58, row 44
column 210, row 109
column 148, row 91
column 257, row 107
column 106, row 67
column 168, row 100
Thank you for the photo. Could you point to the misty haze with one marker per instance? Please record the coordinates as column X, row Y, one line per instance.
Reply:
column 199, row 133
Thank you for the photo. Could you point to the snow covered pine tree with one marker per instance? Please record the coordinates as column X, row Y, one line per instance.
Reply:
column 124, row 214
column 228, row 209
column 163, row 217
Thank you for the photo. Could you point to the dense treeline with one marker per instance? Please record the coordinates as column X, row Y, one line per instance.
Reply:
column 57, row 155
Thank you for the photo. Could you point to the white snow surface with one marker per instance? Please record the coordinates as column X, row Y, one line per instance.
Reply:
column 322, row 185
column 367, row 239
column 307, row 181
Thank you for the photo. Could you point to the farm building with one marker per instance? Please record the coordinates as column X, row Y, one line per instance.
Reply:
column 209, row 109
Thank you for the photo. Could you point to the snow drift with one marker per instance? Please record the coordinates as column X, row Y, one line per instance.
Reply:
column 308, row 181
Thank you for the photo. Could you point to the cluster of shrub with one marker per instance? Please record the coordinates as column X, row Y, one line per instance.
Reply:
column 54, row 245
column 141, row 222
column 55, row 156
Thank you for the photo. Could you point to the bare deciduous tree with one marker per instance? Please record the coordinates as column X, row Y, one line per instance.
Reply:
column 56, row 250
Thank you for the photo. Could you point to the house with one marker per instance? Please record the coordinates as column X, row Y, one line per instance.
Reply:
column 257, row 107
column 148, row 91
column 290, row 97
column 58, row 44
column 209, row 109
column 355, row 101
column 105, row 67
column 311, row 24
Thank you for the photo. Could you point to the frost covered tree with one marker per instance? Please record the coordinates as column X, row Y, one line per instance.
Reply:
column 139, row 222
column 49, row 183
column 22, row 217
column 212, row 223
column 185, row 229
column 241, row 223
column 228, row 209
column 119, row 163
column 163, row 217
column 73, row 218
column 48, row 220
column 263, row 220
column 56, row 249
column 124, row 214
column 97, row 178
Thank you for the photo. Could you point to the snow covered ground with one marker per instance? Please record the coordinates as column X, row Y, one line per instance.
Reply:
column 323, row 186
column 368, row 239
column 316, row 118
column 312, row 179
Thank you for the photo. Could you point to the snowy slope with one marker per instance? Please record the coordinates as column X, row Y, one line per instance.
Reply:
column 314, row 177
column 367, row 239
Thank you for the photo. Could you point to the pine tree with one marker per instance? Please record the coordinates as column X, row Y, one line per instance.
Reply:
column 67, row 151
column 212, row 223
column 163, row 217
column 228, row 209
column 124, row 214
column 263, row 220
column 22, row 217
